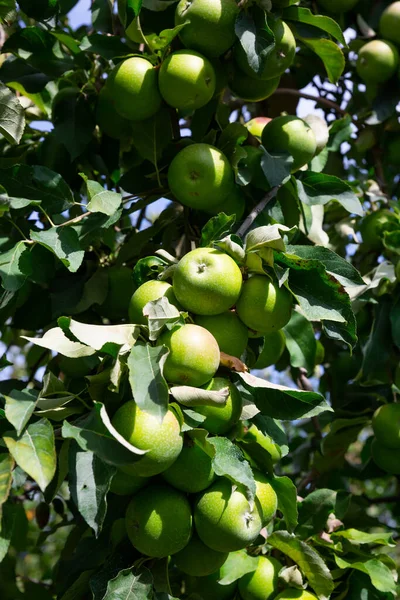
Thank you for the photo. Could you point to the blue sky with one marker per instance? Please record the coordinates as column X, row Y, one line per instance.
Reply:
column 80, row 15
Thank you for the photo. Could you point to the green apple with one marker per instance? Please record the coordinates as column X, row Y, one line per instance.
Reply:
column 211, row 25
column 291, row 135
column 292, row 593
column 320, row 130
column 199, row 560
column 207, row 281
column 209, row 588
column 249, row 88
column 192, row 471
column 120, row 290
column 256, row 125
column 320, row 350
column 200, row 176
column 134, row 85
column 256, row 443
column 387, row 459
column 377, row 61
column 266, row 496
column 337, row 6
column 278, row 60
column 225, row 521
column 373, row 226
column 41, row 10
column 229, row 331
column 393, row 152
column 110, row 122
column 159, row 520
column 274, row 345
column 220, row 419
column 233, row 204
column 389, row 24
column 386, row 425
column 123, row 484
column 193, row 357
column 263, row 305
column 187, row 80
column 162, row 440
column 148, row 292
column 262, row 583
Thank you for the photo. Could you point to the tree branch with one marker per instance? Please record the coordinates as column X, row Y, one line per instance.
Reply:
column 317, row 99
column 257, row 210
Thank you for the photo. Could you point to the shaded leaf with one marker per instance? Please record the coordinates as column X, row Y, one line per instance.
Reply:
column 64, row 243
column 381, row 576
column 300, row 341
column 19, row 407
column 287, row 500
column 216, row 228
column 160, row 313
column 229, row 462
column 357, row 537
column 130, row 586
column 236, row 565
column 304, row 15
column 12, row 117
column 319, row 188
column 15, row 267
column 6, row 467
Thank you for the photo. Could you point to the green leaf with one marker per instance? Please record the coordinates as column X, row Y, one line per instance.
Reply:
column 159, row 42
column 281, row 402
column 232, row 245
column 107, row 47
column 377, row 352
column 6, row 7
column 330, row 54
column 161, row 313
column 12, row 117
column 149, row 388
column 101, row 200
column 236, row 565
column 89, row 482
column 6, row 468
column 55, row 340
column 318, row 188
column 300, row 341
column 276, row 167
column 64, row 243
column 357, row 537
column 150, row 137
column 102, row 16
column 229, row 462
column 130, row 586
column 74, row 124
column 15, row 267
column 309, row 561
column 255, row 37
column 192, row 396
column 381, row 576
column 341, row 268
column 304, row 15
column 216, row 228
column 34, row 451
column 96, row 434
column 103, row 338
column 342, row 433
column 19, row 407
column 287, row 500
column 7, row 524
column 268, row 236
column 314, row 511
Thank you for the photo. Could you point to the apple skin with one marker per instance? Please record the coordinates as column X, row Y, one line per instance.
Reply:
column 199, row 560
column 274, row 345
column 209, row 588
column 211, row 27
column 110, row 122
column 389, row 24
column 163, row 440
column 266, row 496
column 277, row 61
column 148, row 292
column 159, row 520
column 387, row 459
column 292, row 135
column 134, row 85
column 337, row 6
column 264, row 306
column 386, row 425
column 262, row 583
column 192, row 471
column 223, row 517
column 220, row 419
column 250, row 89
column 256, row 125
column 187, row 80
column 374, row 225
column 123, row 484
column 207, row 281
column 233, row 204
column 194, row 355
column 292, row 593
column 377, row 61
column 320, row 129
column 200, row 176
column 231, row 335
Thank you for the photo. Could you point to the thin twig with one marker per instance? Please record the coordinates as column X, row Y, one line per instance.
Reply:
column 257, row 210
column 76, row 219
column 317, row 99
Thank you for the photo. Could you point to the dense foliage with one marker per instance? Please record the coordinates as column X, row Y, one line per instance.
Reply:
column 199, row 307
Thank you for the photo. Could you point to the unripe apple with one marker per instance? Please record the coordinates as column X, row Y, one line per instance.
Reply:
column 148, row 292
column 256, row 125
column 289, row 134
column 220, row 419
column 192, row 471
column 249, row 88
column 274, row 345
column 389, row 24
column 229, row 331
column 134, row 85
column 199, row 560
column 320, row 130
column 377, row 61
column 108, row 119
column 373, row 226
column 187, row 80
column 262, row 583
column 387, row 459
column 386, row 425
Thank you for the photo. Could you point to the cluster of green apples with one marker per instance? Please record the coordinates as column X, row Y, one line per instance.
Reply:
column 385, row 447
column 378, row 59
column 179, row 506
column 189, row 77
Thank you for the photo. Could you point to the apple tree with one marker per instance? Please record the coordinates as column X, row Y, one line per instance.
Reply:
column 200, row 307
